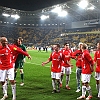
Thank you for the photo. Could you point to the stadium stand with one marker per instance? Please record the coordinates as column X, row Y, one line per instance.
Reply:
column 41, row 36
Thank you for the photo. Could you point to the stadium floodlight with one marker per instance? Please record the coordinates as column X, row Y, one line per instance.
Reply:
column 83, row 4
column 62, row 14
column 56, row 10
column 91, row 8
column 15, row 16
column 5, row 14
column 43, row 17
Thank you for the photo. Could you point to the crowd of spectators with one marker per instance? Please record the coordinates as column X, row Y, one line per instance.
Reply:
column 47, row 36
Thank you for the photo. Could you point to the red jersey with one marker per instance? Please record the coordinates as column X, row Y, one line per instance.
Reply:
column 67, row 57
column 56, row 58
column 97, row 60
column 0, row 57
column 87, row 62
column 15, row 51
column 8, row 56
column 78, row 56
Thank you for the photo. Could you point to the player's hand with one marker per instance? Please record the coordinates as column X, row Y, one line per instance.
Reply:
column 29, row 57
column 24, row 60
column 43, row 63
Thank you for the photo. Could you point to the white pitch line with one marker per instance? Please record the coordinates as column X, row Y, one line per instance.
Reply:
column 36, row 64
column 49, row 66
column 40, row 65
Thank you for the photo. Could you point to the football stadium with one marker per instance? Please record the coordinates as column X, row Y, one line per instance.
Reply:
column 71, row 22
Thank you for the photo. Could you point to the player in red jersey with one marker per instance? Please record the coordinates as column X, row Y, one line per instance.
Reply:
column 14, row 53
column 16, row 50
column 66, row 65
column 87, row 69
column 0, row 48
column 97, row 71
column 7, row 69
column 78, row 57
column 56, row 58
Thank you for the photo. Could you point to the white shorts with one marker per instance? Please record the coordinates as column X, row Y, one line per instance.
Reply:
column 66, row 70
column 7, row 73
column 97, row 76
column 55, row 75
column 86, row 78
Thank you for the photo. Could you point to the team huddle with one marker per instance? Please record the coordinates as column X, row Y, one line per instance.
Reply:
column 61, row 64
column 8, row 55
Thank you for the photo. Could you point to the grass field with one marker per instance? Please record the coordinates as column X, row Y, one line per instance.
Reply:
column 38, row 82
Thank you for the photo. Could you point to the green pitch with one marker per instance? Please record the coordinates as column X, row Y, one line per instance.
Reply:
column 38, row 85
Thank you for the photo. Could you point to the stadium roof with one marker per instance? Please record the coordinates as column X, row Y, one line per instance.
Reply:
column 75, row 13
column 30, row 5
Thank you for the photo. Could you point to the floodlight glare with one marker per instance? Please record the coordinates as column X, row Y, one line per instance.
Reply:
column 6, row 15
column 56, row 10
column 62, row 13
column 15, row 16
column 83, row 4
column 43, row 17
column 91, row 8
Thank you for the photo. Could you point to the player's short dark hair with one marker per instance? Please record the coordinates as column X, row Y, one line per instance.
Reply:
column 84, row 46
column 66, row 43
column 20, row 38
column 58, row 45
